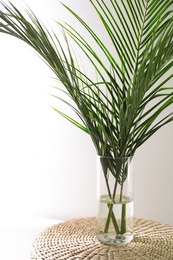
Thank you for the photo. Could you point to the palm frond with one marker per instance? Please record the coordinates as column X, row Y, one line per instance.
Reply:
column 124, row 106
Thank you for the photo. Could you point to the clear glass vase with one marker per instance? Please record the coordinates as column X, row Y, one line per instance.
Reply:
column 115, row 200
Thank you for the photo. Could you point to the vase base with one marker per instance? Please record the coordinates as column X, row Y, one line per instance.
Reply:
column 114, row 240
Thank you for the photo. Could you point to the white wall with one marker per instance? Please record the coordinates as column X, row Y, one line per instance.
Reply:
column 47, row 166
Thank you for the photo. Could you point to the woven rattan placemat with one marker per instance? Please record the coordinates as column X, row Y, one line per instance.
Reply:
column 75, row 240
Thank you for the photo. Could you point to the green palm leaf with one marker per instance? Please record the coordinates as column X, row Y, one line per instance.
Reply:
column 123, row 107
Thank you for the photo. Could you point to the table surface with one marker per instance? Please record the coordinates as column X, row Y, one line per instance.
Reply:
column 17, row 235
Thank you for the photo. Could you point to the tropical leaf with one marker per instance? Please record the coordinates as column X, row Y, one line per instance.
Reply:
column 124, row 106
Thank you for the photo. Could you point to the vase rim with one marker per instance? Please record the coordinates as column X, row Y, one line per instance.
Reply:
column 121, row 157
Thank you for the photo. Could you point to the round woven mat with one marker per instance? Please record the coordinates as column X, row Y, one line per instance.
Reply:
column 76, row 240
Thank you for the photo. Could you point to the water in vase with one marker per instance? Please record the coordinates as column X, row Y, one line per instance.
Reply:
column 115, row 220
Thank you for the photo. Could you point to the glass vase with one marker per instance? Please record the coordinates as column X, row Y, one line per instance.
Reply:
column 115, row 200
